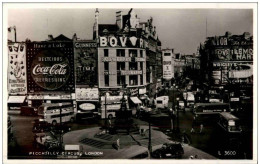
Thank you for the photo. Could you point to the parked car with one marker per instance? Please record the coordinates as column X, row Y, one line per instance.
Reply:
column 29, row 111
column 48, row 140
column 169, row 150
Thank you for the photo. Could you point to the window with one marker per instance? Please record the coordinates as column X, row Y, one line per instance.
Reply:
column 132, row 53
column 133, row 80
column 141, row 80
column 141, row 53
column 106, row 66
column 167, row 54
column 141, row 65
column 133, row 66
column 120, row 53
column 106, row 80
column 120, row 80
column 120, row 66
column 106, row 52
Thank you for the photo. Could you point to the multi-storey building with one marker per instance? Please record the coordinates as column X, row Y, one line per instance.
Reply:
column 227, row 65
column 123, row 50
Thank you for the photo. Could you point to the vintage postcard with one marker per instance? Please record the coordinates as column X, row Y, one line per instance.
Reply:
column 154, row 81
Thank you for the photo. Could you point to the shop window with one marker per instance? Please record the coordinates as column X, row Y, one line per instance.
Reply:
column 133, row 66
column 120, row 66
column 120, row 53
column 106, row 52
column 120, row 80
column 106, row 66
column 106, row 80
column 133, row 80
column 132, row 53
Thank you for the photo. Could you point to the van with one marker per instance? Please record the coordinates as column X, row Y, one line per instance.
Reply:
column 162, row 102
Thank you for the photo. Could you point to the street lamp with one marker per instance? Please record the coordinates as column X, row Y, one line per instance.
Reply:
column 177, row 110
column 60, row 105
column 106, row 111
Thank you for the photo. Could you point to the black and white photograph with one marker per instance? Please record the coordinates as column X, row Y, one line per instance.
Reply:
column 148, row 81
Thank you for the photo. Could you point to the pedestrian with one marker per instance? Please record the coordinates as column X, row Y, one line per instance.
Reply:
column 118, row 143
column 201, row 128
column 193, row 125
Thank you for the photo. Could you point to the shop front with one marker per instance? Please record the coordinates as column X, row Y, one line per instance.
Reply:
column 87, row 100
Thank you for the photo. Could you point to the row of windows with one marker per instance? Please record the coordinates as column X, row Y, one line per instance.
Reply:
column 121, row 53
column 121, row 66
column 133, row 80
column 62, row 115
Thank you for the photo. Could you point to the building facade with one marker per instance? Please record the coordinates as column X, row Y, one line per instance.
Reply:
column 227, row 65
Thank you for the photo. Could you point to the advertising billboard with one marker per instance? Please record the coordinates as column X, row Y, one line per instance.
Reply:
column 16, row 68
column 50, row 66
column 167, row 65
column 85, row 62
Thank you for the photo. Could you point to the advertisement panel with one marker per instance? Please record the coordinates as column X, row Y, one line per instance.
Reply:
column 86, row 62
column 167, row 65
column 87, row 94
column 50, row 66
column 17, row 68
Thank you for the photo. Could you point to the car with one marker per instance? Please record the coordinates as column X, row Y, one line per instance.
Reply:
column 47, row 140
column 28, row 111
column 41, row 126
column 169, row 150
column 61, row 128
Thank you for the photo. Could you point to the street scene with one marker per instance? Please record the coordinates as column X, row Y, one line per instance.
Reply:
column 131, row 90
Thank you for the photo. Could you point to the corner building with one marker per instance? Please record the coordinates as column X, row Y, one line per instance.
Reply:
column 122, row 54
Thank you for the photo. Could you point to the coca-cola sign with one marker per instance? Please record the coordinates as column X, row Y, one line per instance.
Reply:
column 50, row 69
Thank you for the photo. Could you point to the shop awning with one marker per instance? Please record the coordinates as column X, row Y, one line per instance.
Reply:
column 136, row 100
column 16, row 99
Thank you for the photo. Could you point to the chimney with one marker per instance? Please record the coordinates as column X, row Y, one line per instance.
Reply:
column 119, row 21
column 50, row 37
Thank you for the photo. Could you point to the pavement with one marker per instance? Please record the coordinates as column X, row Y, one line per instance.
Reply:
column 125, row 151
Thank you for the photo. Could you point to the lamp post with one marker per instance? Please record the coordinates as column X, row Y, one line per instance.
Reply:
column 177, row 110
column 150, row 141
column 60, row 104
column 106, row 111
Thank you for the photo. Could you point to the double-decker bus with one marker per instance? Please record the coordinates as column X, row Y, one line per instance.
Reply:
column 51, row 113
column 206, row 111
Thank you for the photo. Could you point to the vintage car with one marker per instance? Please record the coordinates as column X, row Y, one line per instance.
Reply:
column 40, row 125
column 28, row 111
column 47, row 140
column 169, row 150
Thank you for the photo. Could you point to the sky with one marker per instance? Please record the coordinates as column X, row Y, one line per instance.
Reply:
column 180, row 29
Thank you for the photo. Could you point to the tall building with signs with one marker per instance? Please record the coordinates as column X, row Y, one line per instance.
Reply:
column 122, row 54
column 17, row 83
column 86, row 84
column 227, row 65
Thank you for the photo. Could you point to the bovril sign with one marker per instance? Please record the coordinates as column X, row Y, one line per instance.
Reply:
column 122, row 42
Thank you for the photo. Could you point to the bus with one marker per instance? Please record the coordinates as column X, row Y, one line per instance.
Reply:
column 229, row 123
column 210, row 108
column 50, row 112
column 110, row 105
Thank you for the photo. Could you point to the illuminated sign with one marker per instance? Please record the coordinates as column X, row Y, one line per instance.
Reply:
column 50, row 65
column 234, row 54
column 121, row 41
column 16, row 68
column 85, row 44
column 167, row 65
column 87, row 93
column 138, row 72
